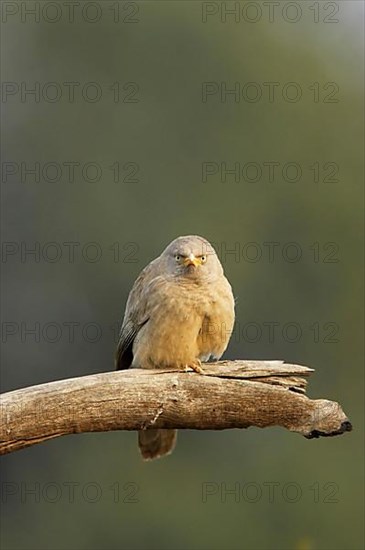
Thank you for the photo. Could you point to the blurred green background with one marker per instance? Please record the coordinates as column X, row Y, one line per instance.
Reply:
column 163, row 125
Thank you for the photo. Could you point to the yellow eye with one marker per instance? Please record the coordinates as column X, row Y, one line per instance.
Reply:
column 203, row 259
column 177, row 257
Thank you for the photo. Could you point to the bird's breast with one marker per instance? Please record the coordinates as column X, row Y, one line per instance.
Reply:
column 186, row 322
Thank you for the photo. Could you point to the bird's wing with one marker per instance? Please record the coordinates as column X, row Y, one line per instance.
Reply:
column 136, row 315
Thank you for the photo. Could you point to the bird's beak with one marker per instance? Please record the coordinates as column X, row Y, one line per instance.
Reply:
column 191, row 260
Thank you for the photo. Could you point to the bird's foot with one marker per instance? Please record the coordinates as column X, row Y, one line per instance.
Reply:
column 196, row 366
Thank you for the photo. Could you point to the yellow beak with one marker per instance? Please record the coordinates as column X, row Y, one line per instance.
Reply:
column 192, row 260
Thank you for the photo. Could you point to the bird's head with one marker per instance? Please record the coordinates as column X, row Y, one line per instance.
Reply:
column 192, row 257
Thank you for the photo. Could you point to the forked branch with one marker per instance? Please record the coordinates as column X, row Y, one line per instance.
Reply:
column 231, row 394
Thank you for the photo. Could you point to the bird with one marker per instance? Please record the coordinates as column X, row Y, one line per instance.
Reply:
column 179, row 313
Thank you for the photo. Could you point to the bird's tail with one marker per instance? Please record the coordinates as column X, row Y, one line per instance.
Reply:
column 156, row 443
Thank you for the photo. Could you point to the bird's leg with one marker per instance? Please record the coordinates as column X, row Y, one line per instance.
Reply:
column 196, row 366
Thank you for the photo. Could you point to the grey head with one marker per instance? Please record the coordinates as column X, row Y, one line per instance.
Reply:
column 192, row 257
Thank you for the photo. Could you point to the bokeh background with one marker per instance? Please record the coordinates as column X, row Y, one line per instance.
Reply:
column 159, row 133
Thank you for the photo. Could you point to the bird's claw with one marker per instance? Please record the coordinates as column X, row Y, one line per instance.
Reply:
column 196, row 366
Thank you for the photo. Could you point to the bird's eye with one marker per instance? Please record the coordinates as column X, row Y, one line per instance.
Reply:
column 177, row 257
column 203, row 259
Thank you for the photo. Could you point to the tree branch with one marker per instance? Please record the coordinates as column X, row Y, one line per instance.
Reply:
column 232, row 394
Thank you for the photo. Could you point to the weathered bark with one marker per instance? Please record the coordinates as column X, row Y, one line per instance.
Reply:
column 231, row 394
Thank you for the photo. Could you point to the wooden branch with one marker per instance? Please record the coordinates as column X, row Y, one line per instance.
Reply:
column 232, row 394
